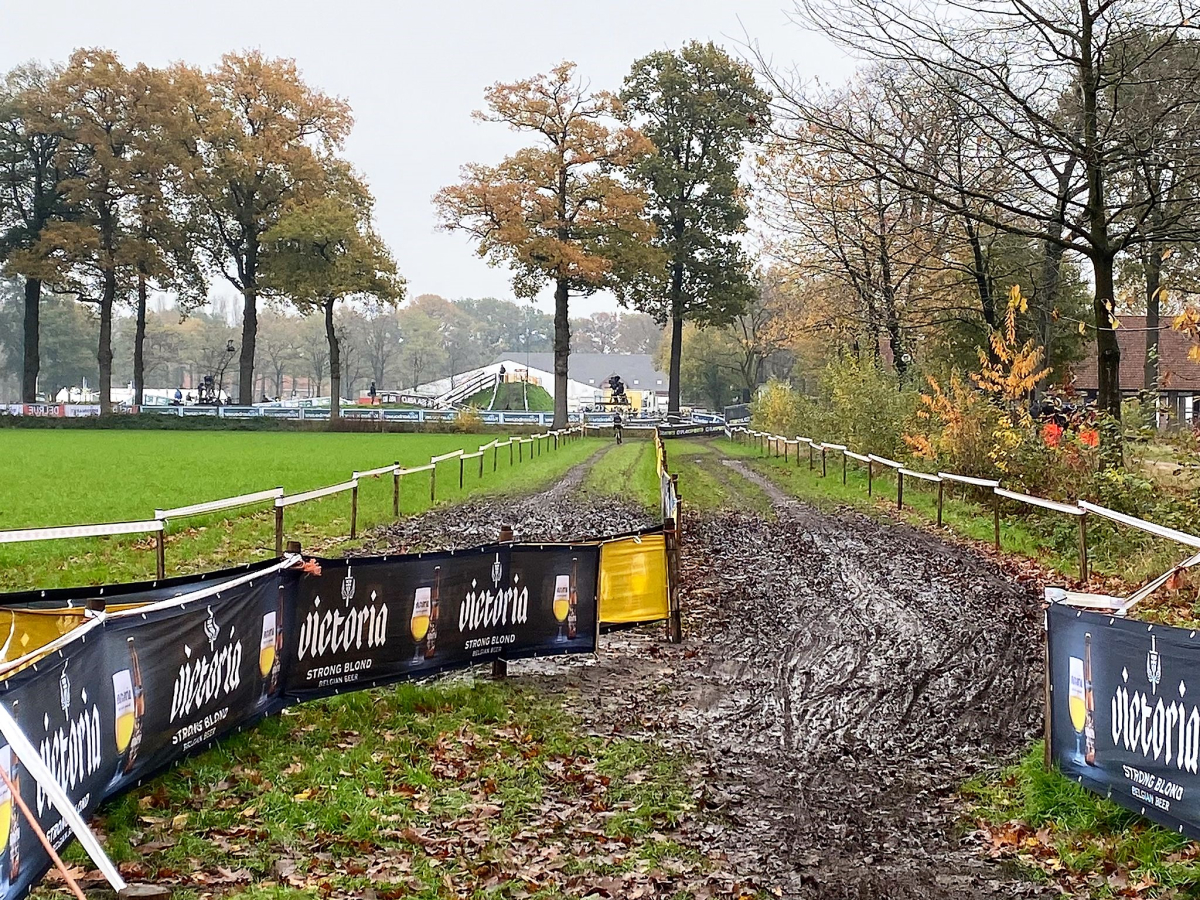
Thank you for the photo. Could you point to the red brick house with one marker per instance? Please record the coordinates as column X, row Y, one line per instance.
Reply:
column 1178, row 379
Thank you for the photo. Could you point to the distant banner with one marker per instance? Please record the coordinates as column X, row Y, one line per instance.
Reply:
column 1125, row 720
column 673, row 431
column 364, row 622
column 633, row 580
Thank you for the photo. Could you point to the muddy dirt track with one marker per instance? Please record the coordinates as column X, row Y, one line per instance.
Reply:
column 839, row 678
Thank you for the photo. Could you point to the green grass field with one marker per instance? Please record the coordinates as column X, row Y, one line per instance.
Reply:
column 84, row 476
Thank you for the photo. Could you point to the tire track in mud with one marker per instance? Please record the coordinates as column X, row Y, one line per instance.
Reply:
column 857, row 676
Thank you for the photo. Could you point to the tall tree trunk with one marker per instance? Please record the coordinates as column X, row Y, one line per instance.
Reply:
column 139, row 344
column 562, row 351
column 32, row 359
column 335, row 365
column 104, row 353
column 249, row 324
column 1108, row 355
column 1153, row 267
column 676, row 298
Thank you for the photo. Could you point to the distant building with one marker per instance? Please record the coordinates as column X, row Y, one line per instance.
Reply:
column 587, row 382
column 1178, row 375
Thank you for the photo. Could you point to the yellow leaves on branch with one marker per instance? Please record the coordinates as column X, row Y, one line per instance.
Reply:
column 1188, row 322
column 1010, row 372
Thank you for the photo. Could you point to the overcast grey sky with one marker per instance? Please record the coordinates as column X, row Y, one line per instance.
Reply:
column 413, row 72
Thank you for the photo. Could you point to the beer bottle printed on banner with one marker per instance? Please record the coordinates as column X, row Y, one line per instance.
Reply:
column 572, row 611
column 1089, row 703
column 7, row 821
column 139, row 705
column 273, row 681
column 14, row 835
column 562, row 604
column 1077, row 702
column 418, row 624
column 435, row 604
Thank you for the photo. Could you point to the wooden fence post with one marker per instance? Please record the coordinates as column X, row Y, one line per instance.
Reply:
column 675, row 618
column 520, row 451
column 510, row 453
column 1083, row 549
column 1047, row 706
column 396, row 491
column 822, row 460
column 461, row 466
column 870, row 478
column 278, row 531
column 785, row 451
column 941, row 494
column 354, row 512
column 844, row 458
column 996, row 520
column 160, row 552
column 899, row 489
column 500, row 666
column 481, row 466
column 495, row 454
column 811, row 463
column 433, row 483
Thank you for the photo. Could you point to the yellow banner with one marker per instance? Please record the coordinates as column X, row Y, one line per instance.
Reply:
column 22, row 631
column 633, row 580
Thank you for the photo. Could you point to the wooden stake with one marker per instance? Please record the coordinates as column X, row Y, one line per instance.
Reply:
column 279, row 531
column 899, row 489
column 941, row 494
column 844, row 459
column 811, row 463
column 1047, row 706
column 354, row 512
column 461, row 465
column 870, row 478
column 996, row 520
column 481, row 467
column 433, row 484
column 674, row 618
column 1083, row 549
column 160, row 552
column 823, row 461
column 396, row 491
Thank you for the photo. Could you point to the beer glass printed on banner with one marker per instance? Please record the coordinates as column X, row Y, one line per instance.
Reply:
column 562, row 604
column 123, row 700
column 419, row 622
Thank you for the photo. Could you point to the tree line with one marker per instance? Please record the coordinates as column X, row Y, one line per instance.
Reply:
column 119, row 182
column 427, row 339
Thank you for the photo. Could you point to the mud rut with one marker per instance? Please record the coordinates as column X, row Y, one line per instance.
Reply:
column 840, row 677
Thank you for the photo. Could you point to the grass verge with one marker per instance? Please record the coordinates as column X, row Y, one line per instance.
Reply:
column 424, row 791
column 706, row 484
column 70, row 477
column 1056, row 831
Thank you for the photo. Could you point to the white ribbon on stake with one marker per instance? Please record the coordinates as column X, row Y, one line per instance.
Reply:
column 45, row 778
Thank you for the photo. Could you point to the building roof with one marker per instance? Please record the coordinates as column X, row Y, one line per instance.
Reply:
column 1176, row 371
column 637, row 370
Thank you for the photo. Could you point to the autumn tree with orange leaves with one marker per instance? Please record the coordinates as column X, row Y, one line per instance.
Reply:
column 556, row 212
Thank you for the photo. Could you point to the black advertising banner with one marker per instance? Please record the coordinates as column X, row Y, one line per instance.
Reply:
column 126, row 594
column 364, row 622
column 61, row 707
column 1125, row 721
column 183, row 675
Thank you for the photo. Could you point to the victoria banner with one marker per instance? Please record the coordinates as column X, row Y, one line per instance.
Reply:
column 1124, row 716
column 116, row 696
column 365, row 622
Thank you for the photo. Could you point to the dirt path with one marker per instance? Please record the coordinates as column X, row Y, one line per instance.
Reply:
column 839, row 679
